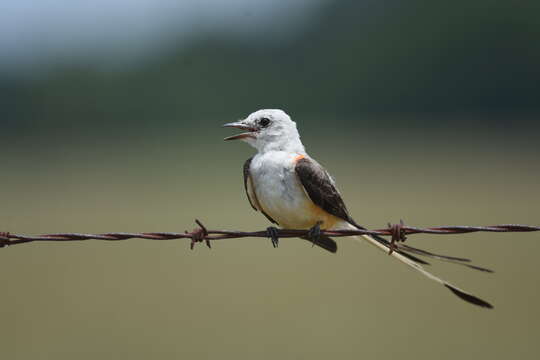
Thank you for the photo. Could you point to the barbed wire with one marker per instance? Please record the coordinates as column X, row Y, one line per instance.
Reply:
column 398, row 232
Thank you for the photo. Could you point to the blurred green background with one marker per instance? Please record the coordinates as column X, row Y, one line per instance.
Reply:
column 110, row 121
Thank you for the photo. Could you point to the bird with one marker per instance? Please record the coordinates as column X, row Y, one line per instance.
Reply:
column 293, row 191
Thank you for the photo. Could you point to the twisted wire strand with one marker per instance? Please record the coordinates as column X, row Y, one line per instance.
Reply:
column 398, row 232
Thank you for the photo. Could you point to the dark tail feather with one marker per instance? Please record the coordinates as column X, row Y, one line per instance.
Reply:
column 451, row 259
column 429, row 253
column 405, row 250
column 469, row 298
column 383, row 245
column 325, row 242
column 386, row 243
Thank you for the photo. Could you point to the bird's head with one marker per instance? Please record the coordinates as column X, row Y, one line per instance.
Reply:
column 268, row 129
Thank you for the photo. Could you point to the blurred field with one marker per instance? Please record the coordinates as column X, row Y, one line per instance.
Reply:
column 243, row 299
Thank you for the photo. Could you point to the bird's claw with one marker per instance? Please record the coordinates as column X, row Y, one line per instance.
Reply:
column 272, row 233
column 315, row 233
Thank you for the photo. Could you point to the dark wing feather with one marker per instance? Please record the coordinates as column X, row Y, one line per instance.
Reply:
column 250, row 191
column 320, row 188
column 247, row 164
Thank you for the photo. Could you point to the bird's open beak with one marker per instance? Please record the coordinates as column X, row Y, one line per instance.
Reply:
column 240, row 125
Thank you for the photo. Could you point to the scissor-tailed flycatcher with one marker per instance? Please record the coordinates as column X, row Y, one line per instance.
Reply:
column 293, row 191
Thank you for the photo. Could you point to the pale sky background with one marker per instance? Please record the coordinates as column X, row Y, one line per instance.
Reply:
column 43, row 31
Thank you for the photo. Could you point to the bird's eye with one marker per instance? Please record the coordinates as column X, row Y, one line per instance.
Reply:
column 264, row 122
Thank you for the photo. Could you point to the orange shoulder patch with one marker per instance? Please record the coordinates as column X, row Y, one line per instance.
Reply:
column 298, row 157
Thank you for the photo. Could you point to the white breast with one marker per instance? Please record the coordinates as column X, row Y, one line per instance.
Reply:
column 280, row 193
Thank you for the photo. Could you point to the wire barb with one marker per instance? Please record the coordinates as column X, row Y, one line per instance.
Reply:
column 398, row 234
column 199, row 235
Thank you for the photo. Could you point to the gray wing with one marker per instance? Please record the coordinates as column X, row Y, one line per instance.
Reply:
column 250, row 191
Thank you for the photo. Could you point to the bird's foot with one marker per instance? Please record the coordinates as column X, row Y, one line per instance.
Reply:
column 315, row 233
column 272, row 232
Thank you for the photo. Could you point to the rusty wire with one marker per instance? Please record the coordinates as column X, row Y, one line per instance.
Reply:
column 398, row 232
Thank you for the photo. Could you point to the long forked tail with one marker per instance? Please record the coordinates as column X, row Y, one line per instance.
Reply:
column 382, row 244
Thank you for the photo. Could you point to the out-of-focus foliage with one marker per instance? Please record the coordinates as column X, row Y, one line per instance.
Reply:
column 356, row 57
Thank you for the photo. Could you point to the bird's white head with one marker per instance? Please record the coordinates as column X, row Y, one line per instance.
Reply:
column 269, row 130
